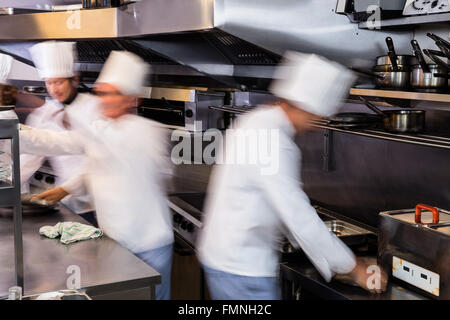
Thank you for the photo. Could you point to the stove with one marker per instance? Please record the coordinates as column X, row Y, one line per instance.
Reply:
column 187, row 215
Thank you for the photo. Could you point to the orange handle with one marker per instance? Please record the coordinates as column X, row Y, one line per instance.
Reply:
column 418, row 215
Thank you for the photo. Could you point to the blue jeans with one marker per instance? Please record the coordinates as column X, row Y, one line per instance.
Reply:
column 160, row 259
column 228, row 286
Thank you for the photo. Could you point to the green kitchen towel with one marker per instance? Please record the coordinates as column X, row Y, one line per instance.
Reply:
column 70, row 232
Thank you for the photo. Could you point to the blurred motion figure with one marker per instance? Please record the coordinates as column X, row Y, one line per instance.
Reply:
column 248, row 211
column 125, row 157
column 55, row 63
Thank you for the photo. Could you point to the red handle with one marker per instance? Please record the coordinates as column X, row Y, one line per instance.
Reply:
column 418, row 215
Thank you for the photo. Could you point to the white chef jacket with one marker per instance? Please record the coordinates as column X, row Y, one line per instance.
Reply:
column 67, row 168
column 247, row 211
column 125, row 158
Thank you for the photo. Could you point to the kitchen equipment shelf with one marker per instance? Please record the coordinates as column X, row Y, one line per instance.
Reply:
column 409, row 21
column 10, row 192
column 417, row 139
column 406, row 95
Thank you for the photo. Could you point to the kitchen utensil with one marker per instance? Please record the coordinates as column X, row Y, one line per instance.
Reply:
column 355, row 117
column 385, row 78
column 435, row 79
column 417, row 251
column 438, row 39
column 355, row 120
column 444, row 49
column 437, row 60
column 391, row 53
column 405, row 60
column 419, row 56
column 437, row 53
column 400, row 121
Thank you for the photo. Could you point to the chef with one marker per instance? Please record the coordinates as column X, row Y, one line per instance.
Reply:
column 5, row 67
column 126, row 155
column 55, row 64
column 251, row 204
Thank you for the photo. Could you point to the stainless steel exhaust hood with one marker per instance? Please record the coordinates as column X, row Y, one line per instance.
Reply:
column 235, row 43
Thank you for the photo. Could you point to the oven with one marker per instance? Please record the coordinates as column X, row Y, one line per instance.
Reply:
column 186, row 109
column 188, row 279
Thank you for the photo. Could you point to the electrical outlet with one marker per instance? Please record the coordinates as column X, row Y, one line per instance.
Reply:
column 415, row 275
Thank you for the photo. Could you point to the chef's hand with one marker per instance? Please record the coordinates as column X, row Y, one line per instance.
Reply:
column 366, row 278
column 52, row 196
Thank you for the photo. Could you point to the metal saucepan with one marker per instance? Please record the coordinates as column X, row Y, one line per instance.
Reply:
column 386, row 78
column 400, row 121
column 405, row 60
column 393, row 59
column 391, row 53
column 427, row 76
column 436, row 78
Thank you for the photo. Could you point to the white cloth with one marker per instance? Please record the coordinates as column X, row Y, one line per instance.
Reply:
column 68, row 168
column 312, row 83
column 5, row 66
column 125, row 160
column 247, row 211
column 126, row 71
column 54, row 59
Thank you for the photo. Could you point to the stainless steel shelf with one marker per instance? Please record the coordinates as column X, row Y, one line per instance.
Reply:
column 409, row 21
column 418, row 139
column 406, row 95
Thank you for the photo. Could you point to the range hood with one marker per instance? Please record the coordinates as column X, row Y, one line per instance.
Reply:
column 234, row 43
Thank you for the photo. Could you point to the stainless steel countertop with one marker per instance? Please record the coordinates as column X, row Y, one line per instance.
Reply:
column 304, row 273
column 105, row 265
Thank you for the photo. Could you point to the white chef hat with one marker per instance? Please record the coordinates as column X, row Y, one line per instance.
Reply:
column 54, row 59
column 5, row 66
column 312, row 83
column 126, row 71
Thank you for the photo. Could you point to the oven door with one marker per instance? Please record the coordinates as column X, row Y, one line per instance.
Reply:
column 164, row 111
column 188, row 280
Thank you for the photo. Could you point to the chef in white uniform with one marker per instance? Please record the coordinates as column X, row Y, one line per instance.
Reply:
column 126, row 156
column 55, row 64
column 5, row 67
column 6, row 62
column 252, row 203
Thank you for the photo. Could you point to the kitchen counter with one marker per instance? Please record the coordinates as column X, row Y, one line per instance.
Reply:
column 303, row 274
column 107, row 270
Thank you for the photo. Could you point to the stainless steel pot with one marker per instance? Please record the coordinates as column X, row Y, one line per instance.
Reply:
column 404, row 121
column 400, row 121
column 386, row 78
column 429, row 80
column 396, row 80
column 401, row 60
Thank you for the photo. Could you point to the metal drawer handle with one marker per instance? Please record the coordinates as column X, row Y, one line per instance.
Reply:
column 418, row 214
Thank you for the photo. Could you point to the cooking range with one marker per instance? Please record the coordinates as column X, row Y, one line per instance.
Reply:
column 187, row 215
column 187, row 223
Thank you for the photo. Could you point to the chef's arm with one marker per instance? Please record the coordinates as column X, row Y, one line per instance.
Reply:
column 75, row 185
column 29, row 164
column 50, row 143
column 329, row 254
